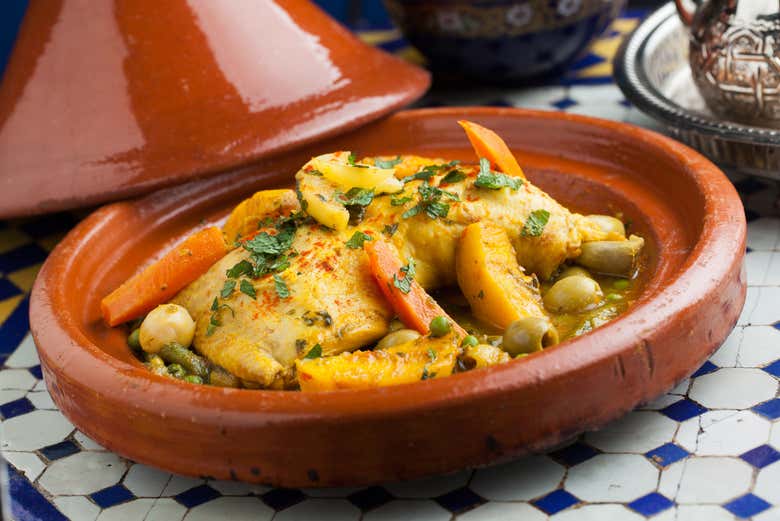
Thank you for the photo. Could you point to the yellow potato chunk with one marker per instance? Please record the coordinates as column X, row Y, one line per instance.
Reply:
column 496, row 287
column 245, row 217
column 420, row 359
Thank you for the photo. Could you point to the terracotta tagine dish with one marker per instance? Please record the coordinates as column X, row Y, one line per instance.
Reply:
column 150, row 93
column 686, row 209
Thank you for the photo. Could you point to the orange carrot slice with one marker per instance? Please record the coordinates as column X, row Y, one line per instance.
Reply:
column 162, row 280
column 416, row 309
column 489, row 145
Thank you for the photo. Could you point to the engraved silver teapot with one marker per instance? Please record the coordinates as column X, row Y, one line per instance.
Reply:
column 735, row 57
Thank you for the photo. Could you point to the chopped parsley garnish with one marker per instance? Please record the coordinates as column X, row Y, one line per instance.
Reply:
column 430, row 170
column 534, row 225
column 400, row 201
column 356, row 241
column 426, row 375
column 356, row 196
column 430, row 202
column 486, row 178
column 215, row 321
column 281, row 287
column 405, row 283
column 453, row 177
column 390, row 229
column 228, row 288
column 432, row 354
column 242, row 268
column 387, row 163
column 314, row 172
column 314, row 352
column 351, row 158
column 248, row 289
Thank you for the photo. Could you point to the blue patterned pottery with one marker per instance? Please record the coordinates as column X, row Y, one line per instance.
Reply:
column 502, row 41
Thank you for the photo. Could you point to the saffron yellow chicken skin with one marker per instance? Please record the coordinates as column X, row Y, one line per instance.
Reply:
column 333, row 301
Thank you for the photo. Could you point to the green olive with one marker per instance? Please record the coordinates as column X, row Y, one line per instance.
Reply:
column 398, row 337
column 440, row 326
column 617, row 258
column 608, row 224
column 573, row 294
column 529, row 334
column 396, row 324
column 574, row 270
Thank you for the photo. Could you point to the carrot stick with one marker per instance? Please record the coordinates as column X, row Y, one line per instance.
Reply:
column 489, row 145
column 416, row 309
column 159, row 282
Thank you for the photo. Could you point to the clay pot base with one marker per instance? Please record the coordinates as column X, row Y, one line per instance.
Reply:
column 694, row 292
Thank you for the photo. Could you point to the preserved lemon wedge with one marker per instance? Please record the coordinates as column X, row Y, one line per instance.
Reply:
column 318, row 200
column 337, row 168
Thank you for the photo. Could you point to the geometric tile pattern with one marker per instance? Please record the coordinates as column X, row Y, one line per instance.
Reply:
column 710, row 449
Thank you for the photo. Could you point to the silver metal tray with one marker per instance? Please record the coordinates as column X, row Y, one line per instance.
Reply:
column 651, row 68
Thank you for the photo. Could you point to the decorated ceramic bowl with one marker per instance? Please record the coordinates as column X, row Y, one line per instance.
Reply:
column 687, row 209
column 502, row 41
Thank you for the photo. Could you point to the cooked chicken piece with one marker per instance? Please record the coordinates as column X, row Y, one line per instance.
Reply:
column 333, row 300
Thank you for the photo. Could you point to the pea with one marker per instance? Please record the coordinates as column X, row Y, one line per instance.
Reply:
column 133, row 339
column 470, row 341
column 440, row 326
column 193, row 379
column 621, row 284
column 177, row 371
column 612, row 297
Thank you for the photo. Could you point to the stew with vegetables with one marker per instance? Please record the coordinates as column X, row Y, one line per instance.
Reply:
column 379, row 271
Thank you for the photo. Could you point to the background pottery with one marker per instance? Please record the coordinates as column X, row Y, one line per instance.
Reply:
column 153, row 92
column 685, row 207
column 502, row 41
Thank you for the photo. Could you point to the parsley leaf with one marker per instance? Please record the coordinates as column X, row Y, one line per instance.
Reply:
column 314, row 172
column 281, row 287
column 486, row 178
column 400, row 201
column 534, row 225
column 242, row 268
column 437, row 209
column 430, row 170
column 390, row 229
column 387, row 163
column 314, row 352
column 432, row 354
column 247, row 289
column 265, row 244
column 227, row 289
column 405, row 283
column 411, row 212
column 356, row 241
column 351, row 161
column 356, row 196
column 453, row 177
column 430, row 202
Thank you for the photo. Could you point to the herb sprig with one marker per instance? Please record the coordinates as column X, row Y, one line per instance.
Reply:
column 486, row 178
column 404, row 284
column 534, row 225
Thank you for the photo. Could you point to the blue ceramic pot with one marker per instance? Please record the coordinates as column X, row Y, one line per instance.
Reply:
column 502, row 41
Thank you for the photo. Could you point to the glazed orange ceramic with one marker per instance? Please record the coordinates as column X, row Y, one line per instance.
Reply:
column 103, row 100
column 680, row 202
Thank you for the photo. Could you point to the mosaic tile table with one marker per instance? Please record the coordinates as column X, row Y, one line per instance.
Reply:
column 709, row 450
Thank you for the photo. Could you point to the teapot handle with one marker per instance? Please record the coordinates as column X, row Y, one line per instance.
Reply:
column 686, row 15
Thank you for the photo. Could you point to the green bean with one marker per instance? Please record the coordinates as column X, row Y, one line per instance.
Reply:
column 529, row 334
column 221, row 378
column 193, row 379
column 177, row 371
column 616, row 258
column 398, row 337
column 133, row 340
column 176, row 354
